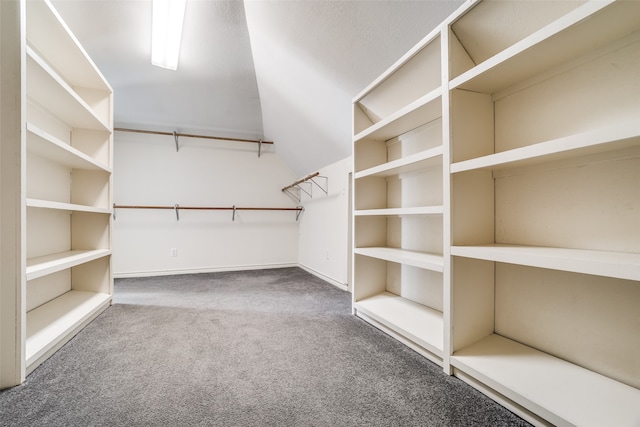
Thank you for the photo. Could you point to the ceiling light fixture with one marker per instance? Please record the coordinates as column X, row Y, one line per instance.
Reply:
column 166, row 32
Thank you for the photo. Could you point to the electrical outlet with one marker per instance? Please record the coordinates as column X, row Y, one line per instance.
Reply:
column 174, row 252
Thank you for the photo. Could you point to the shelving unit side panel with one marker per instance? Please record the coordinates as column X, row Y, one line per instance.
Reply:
column 370, row 231
column 472, row 208
column 587, row 320
column 368, row 154
column 416, row 77
column 420, row 233
column 48, row 232
column 47, row 288
column 422, row 187
column 90, row 230
column 472, row 133
column 571, row 206
column 12, row 212
column 369, row 277
column 370, row 193
column 418, row 285
column 473, row 306
column 459, row 59
column 98, row 100
column 420, row 139
column 560, row 106
column 47, row 180
column 492, row 26
column 91, row 188
column 94, row 143
column 94, row 276
column 360, row 120
column 41, row 118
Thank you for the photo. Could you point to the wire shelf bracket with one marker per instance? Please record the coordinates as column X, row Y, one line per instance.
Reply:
column 296, row 189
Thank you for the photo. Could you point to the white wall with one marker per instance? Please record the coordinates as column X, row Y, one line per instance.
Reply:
column 149, row 171
column 312, row 57
column 324, row 226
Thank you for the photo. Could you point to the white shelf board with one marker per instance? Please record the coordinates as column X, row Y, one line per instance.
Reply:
column 621, row 265
column 48, row 264
column 434, row 262
column 583, row 30
column 582, row 144
column 421, row 111
column 47, row 32
column 561, row 392
column 421, row 160
column 421, row 324
column 420, row 210
column 46, row 145
column 59, row 319
column 47, row 204
column 49, row 90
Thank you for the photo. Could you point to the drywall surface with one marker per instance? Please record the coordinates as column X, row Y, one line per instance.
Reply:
column 324, row 225
column 313, row 57
column 149, row 171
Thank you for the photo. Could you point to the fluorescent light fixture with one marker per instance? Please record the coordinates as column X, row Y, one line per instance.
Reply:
column 166, row 32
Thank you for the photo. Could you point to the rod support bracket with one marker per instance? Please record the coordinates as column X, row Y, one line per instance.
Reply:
column 176, row 209
column 175, row 138
column 233, row 218
column 259, row 147
column 300, row 209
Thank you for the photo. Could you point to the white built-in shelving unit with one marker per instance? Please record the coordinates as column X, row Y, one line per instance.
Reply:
column 497, row 205
column 399, row 261
column 64, row 148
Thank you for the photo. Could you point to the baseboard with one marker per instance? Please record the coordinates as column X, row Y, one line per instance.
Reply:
column 342, row 286
column 200, row 270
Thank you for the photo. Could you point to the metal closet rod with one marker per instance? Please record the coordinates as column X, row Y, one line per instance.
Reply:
column 306, row 178
column 234, row 208
column 174, row 134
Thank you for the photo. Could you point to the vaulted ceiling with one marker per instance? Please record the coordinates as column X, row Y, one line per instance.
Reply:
column 283, row 70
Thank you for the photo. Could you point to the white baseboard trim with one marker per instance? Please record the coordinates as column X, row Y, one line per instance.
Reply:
column 200, row 270
column 342, row 286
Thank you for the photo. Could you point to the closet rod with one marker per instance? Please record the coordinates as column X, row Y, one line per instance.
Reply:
column 177, row 209
column 306, row 178
column 205, row 208
column 223, row 138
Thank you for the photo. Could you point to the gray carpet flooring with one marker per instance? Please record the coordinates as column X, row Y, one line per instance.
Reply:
column 255, row 348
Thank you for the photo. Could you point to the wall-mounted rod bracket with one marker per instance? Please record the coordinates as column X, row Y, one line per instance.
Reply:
column 300, row 209
column 233, row 217
column 308, row 193
column 259, row 147
column 114, row 212
column 293, row 192
column 175, row 138
column 310, row 180
column 324, row 188
column 176, row 208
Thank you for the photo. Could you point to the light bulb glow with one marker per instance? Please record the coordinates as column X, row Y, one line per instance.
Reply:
column 166, row 32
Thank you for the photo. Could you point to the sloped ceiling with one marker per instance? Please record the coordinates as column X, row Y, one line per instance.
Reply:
column 283, row 70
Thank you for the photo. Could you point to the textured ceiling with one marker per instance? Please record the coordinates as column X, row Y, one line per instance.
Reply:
column 287, row 71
